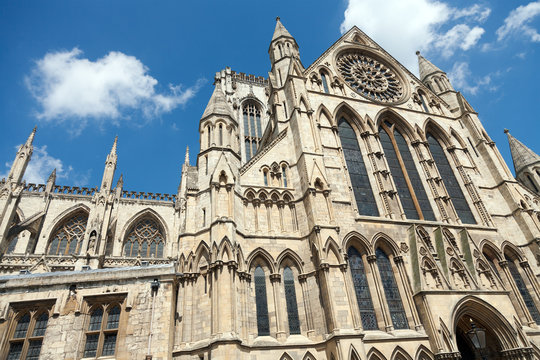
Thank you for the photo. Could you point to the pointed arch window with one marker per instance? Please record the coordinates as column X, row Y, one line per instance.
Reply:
column 220, row 134
column 408, row 183
column 102, row 331
column 324, row 82
column 365, row 201
column 27, row 336
column 263, row 325
column 252, row 128
column 67, row 239
column 391, row 291
column 361, row 288
column 422, row 97
column 522, row 288
column 284, row 175
column 145, row 239
column 290, row 299
column 450, row 182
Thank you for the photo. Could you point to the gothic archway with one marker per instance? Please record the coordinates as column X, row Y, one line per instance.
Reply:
column 500, row 337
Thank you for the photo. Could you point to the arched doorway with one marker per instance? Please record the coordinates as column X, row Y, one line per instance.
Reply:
column 467, row 348
column 500, row 337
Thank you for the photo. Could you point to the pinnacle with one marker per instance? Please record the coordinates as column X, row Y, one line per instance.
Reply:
column 280, row 30
column 426, row 67
column 30, row 139
column 113, row 149
column 522, row 156
column 217, row 105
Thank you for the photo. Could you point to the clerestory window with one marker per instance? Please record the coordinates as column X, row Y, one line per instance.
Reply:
column 145, row 239
column 252, row 128
column 68, row 237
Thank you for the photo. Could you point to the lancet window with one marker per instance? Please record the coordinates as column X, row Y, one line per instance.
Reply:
column 27, row 335
column 263, row 325
column 290, row 299
column 391, row 291
column 102, row 331
column 252, row 128
column 365, row 201
column 361, row 288
column 522, row 288
column 408, row 183
column 145, row 239
column 449, row 179
column 324, row 82
column 68, row 237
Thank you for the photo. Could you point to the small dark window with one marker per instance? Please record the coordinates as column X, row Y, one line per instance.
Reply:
column 533, row 184
column 290, row 299
column 284, row 175
column 324, row 82
column 263, row 325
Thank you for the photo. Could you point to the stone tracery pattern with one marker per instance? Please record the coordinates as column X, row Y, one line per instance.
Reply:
column 370, row 78
column 68, row 238
column 145, row 240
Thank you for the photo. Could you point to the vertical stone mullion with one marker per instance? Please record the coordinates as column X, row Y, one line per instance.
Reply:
column 404, row 282
column 381, row 297
column 353, row 305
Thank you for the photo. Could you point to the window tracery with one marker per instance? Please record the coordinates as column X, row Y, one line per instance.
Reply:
column 363, row 193
column 252, row 128
column 145, row 239
column 371, row 78
column 68, row 238
column 27, row 335
column 408, row 183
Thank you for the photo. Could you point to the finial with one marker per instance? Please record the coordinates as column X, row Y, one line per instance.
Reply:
column 52, row 177
column 113, row 150
column 417, row 52
column 31, row 137
column 186, row 161
column 506, row 131
column 120, row 181
column 277, row 18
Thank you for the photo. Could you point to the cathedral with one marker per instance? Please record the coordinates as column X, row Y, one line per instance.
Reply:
column 344, row 210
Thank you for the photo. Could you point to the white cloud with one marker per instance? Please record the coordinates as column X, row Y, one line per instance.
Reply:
column 517, row 22
column 72, row 88
column 41, row 166
column 460, row 76
column 403, row 26
column 460, row 36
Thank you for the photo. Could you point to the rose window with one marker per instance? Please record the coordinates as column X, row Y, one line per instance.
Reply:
column 370, row 78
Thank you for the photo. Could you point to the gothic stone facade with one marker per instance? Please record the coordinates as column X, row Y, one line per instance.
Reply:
column 344, row 210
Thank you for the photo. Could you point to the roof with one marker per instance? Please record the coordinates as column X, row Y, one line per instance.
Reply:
column 217, row 105
column 521, row 154
column 426, row 67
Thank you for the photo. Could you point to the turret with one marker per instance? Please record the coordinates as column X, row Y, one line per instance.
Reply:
column 526, row 164
column 283, row 48
column 110, row 167
column 437, row 80
column 22, row 159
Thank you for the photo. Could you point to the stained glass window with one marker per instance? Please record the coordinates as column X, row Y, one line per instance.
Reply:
column 450, row 181
column 361, row 288
column 145, row 239
column 67, row 239
column 391, row 290
column 290, row 299
column 263, row 326
column 365, row 201
column 252, row 128
column 404, row 173
column 27, row 337
column 527, row 298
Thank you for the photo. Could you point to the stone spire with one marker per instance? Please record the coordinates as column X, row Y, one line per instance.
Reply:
column 110, row 167
column 522, row 156
column 426, row 67
column 280, row 31
column 217, row 105
column 22, row 158
column 186, row 160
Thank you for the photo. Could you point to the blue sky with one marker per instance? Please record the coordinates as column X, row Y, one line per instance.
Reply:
column 84, row 72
